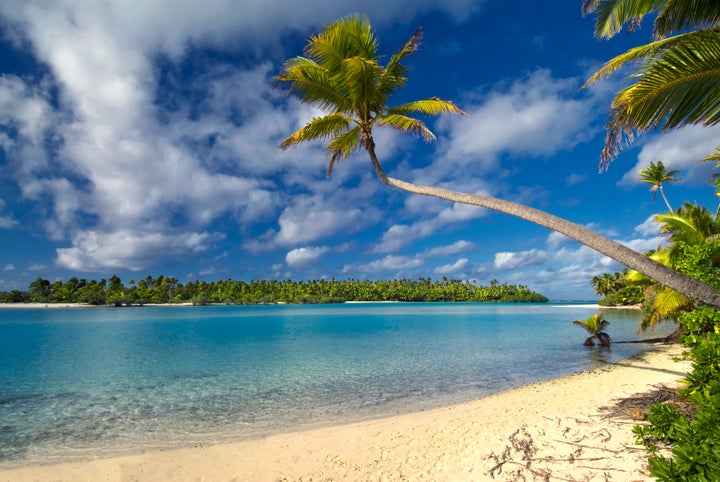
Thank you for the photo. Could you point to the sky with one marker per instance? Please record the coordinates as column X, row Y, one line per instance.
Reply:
column 141, row 138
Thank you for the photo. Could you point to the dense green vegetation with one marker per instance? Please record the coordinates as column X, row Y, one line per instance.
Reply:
column 165, row 289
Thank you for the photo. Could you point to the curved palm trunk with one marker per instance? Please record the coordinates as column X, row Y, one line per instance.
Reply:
column 662, row 193
column 612, row 249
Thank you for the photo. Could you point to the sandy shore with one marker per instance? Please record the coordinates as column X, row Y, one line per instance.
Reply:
column 555, row 430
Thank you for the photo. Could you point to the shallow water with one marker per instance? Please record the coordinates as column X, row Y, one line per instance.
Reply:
column 75, row 382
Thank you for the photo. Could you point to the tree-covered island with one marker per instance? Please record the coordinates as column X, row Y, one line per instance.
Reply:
column 166, row 289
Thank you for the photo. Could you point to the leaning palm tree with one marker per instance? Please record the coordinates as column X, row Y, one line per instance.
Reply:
column 594, row 325
column 677, row 79
column 657, row 175
column 341, row 74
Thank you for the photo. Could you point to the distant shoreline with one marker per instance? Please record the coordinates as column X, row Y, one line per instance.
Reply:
column 359, row 302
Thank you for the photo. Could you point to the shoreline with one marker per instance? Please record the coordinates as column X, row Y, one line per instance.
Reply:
column 559, row 423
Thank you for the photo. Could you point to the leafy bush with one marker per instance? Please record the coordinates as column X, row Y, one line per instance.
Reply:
column 695, row 440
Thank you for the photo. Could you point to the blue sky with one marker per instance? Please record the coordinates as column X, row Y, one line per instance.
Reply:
column 141, row 138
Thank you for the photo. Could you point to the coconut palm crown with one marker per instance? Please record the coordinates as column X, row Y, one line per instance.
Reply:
column 676, row 81
column 340, row 73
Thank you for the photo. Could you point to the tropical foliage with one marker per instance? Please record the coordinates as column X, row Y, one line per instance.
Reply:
column 595, row 325
column 676, row 77
column 166, row 289
column 341, row 75
column 692, row 436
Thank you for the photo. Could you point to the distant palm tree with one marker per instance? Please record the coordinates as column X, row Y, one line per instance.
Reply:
column 657, row 175
column 594, row 325
column 677, row 78
column 342, row 76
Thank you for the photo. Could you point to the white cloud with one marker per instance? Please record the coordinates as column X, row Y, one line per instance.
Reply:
column 535, row 116
column 388, row 263
column 509, row 260
column 299, row 257
column 131, row 154
column 649, row 227
column 556, row 239
column 455, row 248
column 679, row 149
column 457, row 266
column 311, row 218
column 9, row 267
column 94, row 250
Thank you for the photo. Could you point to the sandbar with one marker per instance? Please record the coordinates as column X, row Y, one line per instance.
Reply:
column 555, row 430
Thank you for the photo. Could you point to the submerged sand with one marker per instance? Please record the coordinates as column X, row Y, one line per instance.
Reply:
column 554, row 430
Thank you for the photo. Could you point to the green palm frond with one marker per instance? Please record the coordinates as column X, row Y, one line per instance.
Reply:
column 359, row 77
column 673, row 16
column 393, row 76
column 643, row 53
column 612, row 15
column 318, row 128
column 679, row 87
column 430, row 107
column 666, row 304
column 684, row 15
column 350, row 36
column 311, row 83
column 341, row 146
column 407, row 124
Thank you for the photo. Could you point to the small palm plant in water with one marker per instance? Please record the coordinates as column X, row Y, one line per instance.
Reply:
column 594, row 325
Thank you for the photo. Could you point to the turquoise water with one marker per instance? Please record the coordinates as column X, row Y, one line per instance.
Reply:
column 75, row 382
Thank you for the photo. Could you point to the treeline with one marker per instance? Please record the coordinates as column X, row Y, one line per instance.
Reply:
column 166, row 289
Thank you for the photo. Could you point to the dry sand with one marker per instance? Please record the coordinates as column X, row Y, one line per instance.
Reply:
column 555, row 430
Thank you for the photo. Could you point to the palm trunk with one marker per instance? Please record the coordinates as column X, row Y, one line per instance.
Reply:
column 662, row 193
column 632, row 259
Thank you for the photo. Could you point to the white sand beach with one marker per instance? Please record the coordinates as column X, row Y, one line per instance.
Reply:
column 555, row 430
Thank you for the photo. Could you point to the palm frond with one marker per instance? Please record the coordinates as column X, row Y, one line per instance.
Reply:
column 393, row 76
column 349, row 36
column 637, row 54
column 407, row 124
column 430, row 107
column 679, row 87
column 341, row 146
column 323, row 127
column 311, row 83
column 359, row 77
column 612, row 15
column 684, row 15
column 667, row 304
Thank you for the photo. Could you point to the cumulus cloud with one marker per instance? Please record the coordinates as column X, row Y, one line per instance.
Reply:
column 455, row 248
column 299, row 257
column 9, row 267
column 512, row 260
column 535, row 116
column 389, row 263
column 310, row 218
column 131, row 153
column 456, row 267
column 679, row 149
column 129, row 249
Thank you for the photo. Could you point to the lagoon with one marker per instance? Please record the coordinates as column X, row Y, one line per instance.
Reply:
column 81, row 382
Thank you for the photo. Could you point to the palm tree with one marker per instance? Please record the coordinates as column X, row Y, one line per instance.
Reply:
column 594, row 325
column 341, row 75
column 677, row 81
column 691, row 224
column 657, row 175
